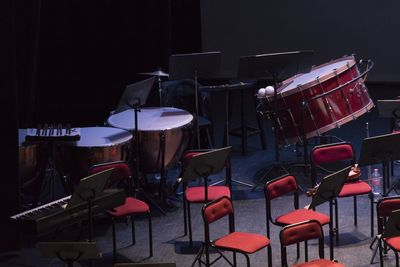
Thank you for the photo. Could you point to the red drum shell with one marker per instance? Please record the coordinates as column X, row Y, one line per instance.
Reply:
column 325, row 112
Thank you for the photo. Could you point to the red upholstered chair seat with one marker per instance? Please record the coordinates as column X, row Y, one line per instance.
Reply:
column 131, row 206
column 393, row 242
column 196, row 194
column 319, row 263
column 300, row 215
column 355, row 189
column 244, row 242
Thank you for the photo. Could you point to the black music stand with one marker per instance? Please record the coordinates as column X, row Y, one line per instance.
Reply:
column 88, row 189
column 227, row 88
column 276, row 66
column 203, row 165
column 196, row 65
column 135, row 96
column 69, row 252
column 381, row 149
column 327, row 191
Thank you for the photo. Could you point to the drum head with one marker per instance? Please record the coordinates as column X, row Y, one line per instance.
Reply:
column 321, row 72
column 101, row 137
column 151, row 119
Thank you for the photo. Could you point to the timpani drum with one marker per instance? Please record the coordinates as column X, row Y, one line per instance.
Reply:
column 172, row 123
column 96, row 145
column 334, row 94
column 29, row 159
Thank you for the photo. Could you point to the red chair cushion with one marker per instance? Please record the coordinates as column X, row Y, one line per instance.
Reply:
column 132, row 206
column 297, row 233
column 326, row 154
column 280, row 187
column 319, row 263
column 217, row 210
column 302, row 215
column 386, row 206
column 121, row 170
column 355, row 189
column 196, row 194
column 189, row 155
column 242, row 242
column 393, row 242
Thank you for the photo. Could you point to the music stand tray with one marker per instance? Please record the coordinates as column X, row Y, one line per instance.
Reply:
column 205, row 164
column 389, row 108
column 135, row 94
column 330, row 187
column 69, row 252
column 379, row 149
column 392, row 226
column 202, row 65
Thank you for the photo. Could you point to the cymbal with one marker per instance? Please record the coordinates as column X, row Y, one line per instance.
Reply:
column 155, row 73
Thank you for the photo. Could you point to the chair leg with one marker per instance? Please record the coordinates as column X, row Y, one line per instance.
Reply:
column 114, row 241
column 247, row 260
column 150, row 235
column 355, row 209
column 380, row 251
column 336, row 221
column 185, row 216
column 397, row 258
column 189, row 224
column 298, row 250
column 133, row 230
column 372, row 214
column 234, row 259
column 269, row 253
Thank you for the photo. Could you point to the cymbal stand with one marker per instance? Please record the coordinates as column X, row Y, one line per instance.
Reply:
column 136, row 162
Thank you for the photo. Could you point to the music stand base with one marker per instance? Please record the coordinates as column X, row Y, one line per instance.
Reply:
column 276, row 168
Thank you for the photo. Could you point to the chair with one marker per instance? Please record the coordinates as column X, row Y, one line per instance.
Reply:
column 145, row 265
column 284, row 185
column 304, row 231
column 236, row 242
column 390, row 236
column 342, row 152
column 197, row 194
column 132, row 206
column 384, row 208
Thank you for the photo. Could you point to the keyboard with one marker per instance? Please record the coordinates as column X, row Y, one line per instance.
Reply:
column 53, row 215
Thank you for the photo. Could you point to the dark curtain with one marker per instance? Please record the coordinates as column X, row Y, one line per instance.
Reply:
column 69, row 61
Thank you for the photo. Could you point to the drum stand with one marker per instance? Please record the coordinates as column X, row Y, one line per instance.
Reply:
column 136, row 163
column 48, row 174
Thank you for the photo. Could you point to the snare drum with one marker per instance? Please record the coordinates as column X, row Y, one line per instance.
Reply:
column 334, row 94
column 173, row 123
column 96, row 145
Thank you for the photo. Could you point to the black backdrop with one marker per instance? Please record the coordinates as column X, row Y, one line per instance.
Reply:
column 69, row 61
column 332, row 29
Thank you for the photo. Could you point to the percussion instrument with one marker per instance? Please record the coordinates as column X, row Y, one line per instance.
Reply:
column 96, row 145
column 327, row 97
column 153, row 123
column 29, row 158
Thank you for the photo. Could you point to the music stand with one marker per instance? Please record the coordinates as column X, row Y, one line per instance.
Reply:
column 69, row 252
column 195, row 65
column 227, row 88
column 276, row 66
column 202, row 166
column 88, row 189
column 327, row 191
column 381, row 149
column 135, row 96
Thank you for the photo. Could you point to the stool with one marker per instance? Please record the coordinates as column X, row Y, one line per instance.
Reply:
column 244, row 131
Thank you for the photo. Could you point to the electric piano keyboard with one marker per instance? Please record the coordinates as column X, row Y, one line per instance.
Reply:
column 50, row 216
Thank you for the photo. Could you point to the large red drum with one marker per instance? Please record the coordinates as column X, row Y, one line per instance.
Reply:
column 327, row 97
